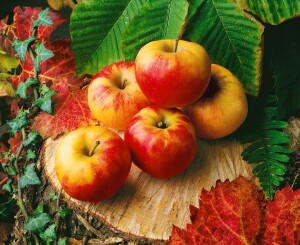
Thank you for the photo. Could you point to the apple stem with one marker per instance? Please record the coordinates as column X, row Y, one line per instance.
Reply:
column 176, row 44
column 94, row 148
column 123, row 84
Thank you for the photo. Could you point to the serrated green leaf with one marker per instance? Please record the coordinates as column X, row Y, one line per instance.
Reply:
column 96, row 28
column 30, row 177
column 18, row 122
column 43, row 19
column 49, row 234
column 270, row 11
column 23, row 86
column 42, row 53
column 37, row 224
column 231, row 39
column 158, row 19
column 21, row 47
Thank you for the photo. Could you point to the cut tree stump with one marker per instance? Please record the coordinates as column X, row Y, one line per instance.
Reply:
column 147, row 207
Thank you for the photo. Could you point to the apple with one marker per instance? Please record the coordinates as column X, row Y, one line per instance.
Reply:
column 171, row 73
column 114, row 96
column 223, row 107
column 92, row 163
column 162, row 141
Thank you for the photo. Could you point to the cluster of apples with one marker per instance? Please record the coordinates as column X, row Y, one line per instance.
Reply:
column 165, row 99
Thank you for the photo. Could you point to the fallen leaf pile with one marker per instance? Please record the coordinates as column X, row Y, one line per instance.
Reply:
column 236, row 213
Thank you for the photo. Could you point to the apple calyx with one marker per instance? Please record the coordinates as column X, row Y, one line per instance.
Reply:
column 162, row 125
column 91, row 153
column 123, row 84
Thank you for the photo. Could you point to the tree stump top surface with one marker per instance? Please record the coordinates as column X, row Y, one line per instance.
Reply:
column 147, row 207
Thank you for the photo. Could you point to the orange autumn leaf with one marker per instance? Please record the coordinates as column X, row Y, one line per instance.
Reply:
column 236, row 213
column 72, row 113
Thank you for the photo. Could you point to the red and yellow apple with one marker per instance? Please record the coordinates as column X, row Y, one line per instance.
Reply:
column 162, row 141
column 114, row 95
column 172, row 76
column 92, row 163
column 222, row 108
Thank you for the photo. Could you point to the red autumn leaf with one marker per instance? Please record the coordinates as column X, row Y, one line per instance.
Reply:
column 236, row 213
column 15, row 142
column 72, row 113
column 24, row 17
column 283, row 218
column 8, row 35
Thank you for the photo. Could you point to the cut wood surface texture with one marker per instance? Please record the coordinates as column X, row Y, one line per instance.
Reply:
column 147, row 207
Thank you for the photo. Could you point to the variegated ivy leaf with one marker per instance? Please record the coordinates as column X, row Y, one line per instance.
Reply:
column 22, row 87
column 31, row 139
column 44, row 102
column 43, row 19
column 18, row 122
column 42, row 53
column 30, row 177
column 37, row 224
column 22, row 46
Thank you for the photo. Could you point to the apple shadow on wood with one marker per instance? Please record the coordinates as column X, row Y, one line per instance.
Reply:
column 147, row 207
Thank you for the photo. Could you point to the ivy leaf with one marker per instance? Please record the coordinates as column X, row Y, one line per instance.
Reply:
column 42, row 53
column 44, row 102
column 53, row 196
column 30, row 155
column 96, row 28
column 62, row 241
column 31, row 139
column 167, row 22
column 22, row 87
column 11, row 170
column 7, row 186
column 38, row 210
column 72, row 113
column 18, row 122
column 30, row 177
column 64, row 212
column 49, row 234
column 270, row 12
column 22, row 46
column 37, row 224
column 43, row 19
column 230, row 38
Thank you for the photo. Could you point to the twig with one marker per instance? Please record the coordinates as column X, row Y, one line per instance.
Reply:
column 2, row 182
column 294, row 181
column 88, row 226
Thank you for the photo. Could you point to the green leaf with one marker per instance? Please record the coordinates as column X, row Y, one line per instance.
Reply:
column 30, row 177
column 44, row 102
column 53, row 196
column 37, row 224
column 193, row 6
column 11, row 170
column 64, row 212
column 7, row 186
column 30, row 155
column 18, row 122
column 158, row 19
column 270, row 11
column 231, row 39
column 22, row 87
column 49, row 234
column 42, row 53
column 62, row 241
column 43, row 19
column 96, row 28
column 38, row 210
column 31, row 139
column 22, row 46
